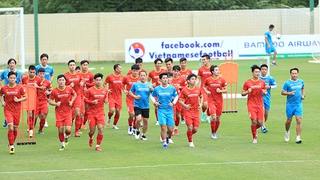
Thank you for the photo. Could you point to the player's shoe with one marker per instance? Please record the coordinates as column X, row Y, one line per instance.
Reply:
column 66, row 140
column 175, row 132
column 115, row 127
column 40, row 132
column 5, row 123
column 298, row 140
column 46, row 124
column 214, row 136
column 130, row 130
column 157, row 123
column 203, row 116
column 287, row 136
column 161, row 139
column 108, row 122
column 30, row 133
column 77, row 134
column 208, row 119
column 183, row 122
column 191, row 144
column 264, row 129
column 84, row 127
column 273, row 63
column 137, row 136
column 11, row 149
column 134, row 132
column 90, row 142
column 98, row 148
column 143, row 137
column 62, row 148
column 165, row 146
column 255, row 141
column 170, row 141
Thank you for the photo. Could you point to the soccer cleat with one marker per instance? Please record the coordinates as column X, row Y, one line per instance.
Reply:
column 191, row 144
column 143, row 137
column 255, row 141
column 46, row 124
column 11, row 149
column 214, row 136
column 40, row 132
column 264, row 129
column 208, row 119
column 84, row 127
column 90, row 142
column 30, row 133
column 170, row 141
column 98, row 148
column 165, row 146
column 130, row 130
column 137, row 136
column 202, row 116
column 62, row 148
column 287, row 136
column 157, row 123
column 66, row 141
column 273, row 63
column 167, row 140
column 134, row 132
column 5, row 123
column 298, row 140
column 76, row 134
column 108, row 122
column 175, row 132
column 115, row 127
column 183, row 122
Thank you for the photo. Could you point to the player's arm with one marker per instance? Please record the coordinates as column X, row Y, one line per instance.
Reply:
column 181, row 101
column 198, row 81
column 273, row 84
column 303, row 91
column 73, row 98
column 2, row 100
column 201, row 101
column 23, row 98
column 205, row 90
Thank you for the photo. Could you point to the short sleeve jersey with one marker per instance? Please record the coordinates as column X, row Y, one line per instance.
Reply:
column 296, row 87
column 191, row 97
column 48, row 71
column 269, row 80
column 204, row 73
column 130, row 71
column 255, row 96
column 142, row 90
column 267, row 34
column 211, row 85
column 128, row 81
column 42, row 93
column 115, row 84
column 64, row 96
column 88, row 79
column 100, row 94
column 26, row 80
column 11, row 92
column 75, row 78
column 179, row 83
column 165, row 96
column 4, row 76
column 154, row 75
column 184, row 74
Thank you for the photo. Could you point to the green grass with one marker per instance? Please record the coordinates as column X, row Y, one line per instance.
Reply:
column 231, row 156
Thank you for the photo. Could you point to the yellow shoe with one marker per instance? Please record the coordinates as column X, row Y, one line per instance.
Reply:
column 11, row 150
column 62, row 148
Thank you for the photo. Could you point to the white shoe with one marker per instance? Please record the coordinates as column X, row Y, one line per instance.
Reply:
column 30, row 133
column 115, row 127
column 170, row 141
column 46, row 124
column 137, row 136
column 287, row 136
column 130, row 130
column 255, row 141
column 157, row 123
column 191, row 144
column 214, row 136
column 161, row 139
column 298, row 140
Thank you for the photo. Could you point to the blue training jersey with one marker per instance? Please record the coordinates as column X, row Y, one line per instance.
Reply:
column 142, row 90
column 268, row 80
column 267, row 33
column 48, row 69
column 295, row 86
column 4, row 76
column 165, row 96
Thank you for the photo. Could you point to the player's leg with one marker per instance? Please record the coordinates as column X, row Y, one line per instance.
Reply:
column 145, row 117
column 61, row 135
column 78, row 122
column 100, row 125
column 298, row 114
column 289, row 113
column 177, row 116
column 170, row 125
column 92, row 128
column 30, row 123
column 254, row 123
column 10, row 134
column 117, row 114
column 130, row 118
column 112, row 108
column 138, row 123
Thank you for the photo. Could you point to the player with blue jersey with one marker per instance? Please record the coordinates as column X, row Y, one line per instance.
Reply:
column 49, row 70
column 270, row 84
column 269, row 44
column 295, row 92
column 140, row 91
column 167, row 97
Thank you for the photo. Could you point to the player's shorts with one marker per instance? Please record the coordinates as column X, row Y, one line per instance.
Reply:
column 95, row 119
column 12, row 118
column 143, row 112
column 113, row 103
column 266, row 106
column 214, row 109
column 130, row 105
column 63, row 119
column 271, row 49
column 42, row 107
column 165, row 117
column 256, row 112
column 192, row 118
column 177, row 108
column 77, row 102
column 204, row 96
column 294, row 110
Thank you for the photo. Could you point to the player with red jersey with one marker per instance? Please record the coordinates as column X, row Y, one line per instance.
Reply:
column 63, row 97
column 139, row 63
column 115, row 86
column 203, row 74
column 95, row 97
column 255, row 89
column 184, row 72
column 189, row 99
column 14, row 95
column 214, row 87
column 128, row 81
column 74, row 80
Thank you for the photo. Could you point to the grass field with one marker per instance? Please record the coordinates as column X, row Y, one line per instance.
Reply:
column 231, row 156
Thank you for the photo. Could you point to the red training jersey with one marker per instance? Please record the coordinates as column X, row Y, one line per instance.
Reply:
column 184, row 74
column 42, row 94
column 26, row 80
column 204, row 73
column 128, row 81
column 88, row 79
column 141, row 69
column 75, row 78
column 9, row 93
column 179, row 83
column 94, row 93
column 64, row 96
column 191, row 97
column 211, row 85
column 154, row 76
column 115, row 84
column 255, row 97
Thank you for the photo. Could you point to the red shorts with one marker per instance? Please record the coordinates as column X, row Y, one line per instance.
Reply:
column 63, row 119
column 42, row 107
column 12, row 118
column 130, row 105
column 204, row 96
column 77, row 102
column 95, row 119
column 214, row 109
column 178, row 108
column 113, row 103
column 192, row 118
column 256, row 112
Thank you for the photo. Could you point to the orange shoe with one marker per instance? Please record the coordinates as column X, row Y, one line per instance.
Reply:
column 76, row 134
column 176, row 132
column 98, row 149
column 90, row 142
column 84, row 127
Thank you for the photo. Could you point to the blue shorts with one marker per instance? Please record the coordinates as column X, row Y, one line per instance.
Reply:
column 270, row 50
column 294, row 110
column 266, row 106
column 165, row 117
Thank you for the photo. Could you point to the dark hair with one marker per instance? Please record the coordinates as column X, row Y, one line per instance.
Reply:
column 32, row 67
column 12, row 73
column 71, row 61
column 212, row 67
column 115, row 66
column 158, row 59
column 84, row 61
column 168, row 59
column 255, row 67
column 41, row 70
column 11, row 59
column 264, row 65
column 139, row 60
column 44, row 55
column 135, row 66
column 206, row 56
column 98, row 75
column 183, row 59
column 176, row 67
column 271, row 26
column 78, row 68
column 61, row 76
column 294, row 69
column 163, row 74
column 191, row 75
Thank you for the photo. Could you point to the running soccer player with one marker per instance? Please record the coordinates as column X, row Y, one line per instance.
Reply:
column 169, row 64
column 295, row 92
column 95, row 97
column 167, row 97
column 270, row 84
column 115, row 86
column 14, row 95
column 74, row 80
column 214, row 87
column 269, row 44
column 128, row 81
column 140, row 91
column 255, row 88
column 203, row 74
column 189, row 99
column 63, row 97
column 139, row 63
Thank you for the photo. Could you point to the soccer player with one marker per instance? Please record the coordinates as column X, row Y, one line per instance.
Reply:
column 115, row 86
column 255, row 88
column 14, row 95
column 139, row 63
column 214, row 87
column 189, row 99
column 270, row 84
column 95, row 97
column 128, row 81
column 203, row 74
column 74, row 80
column 4, row 76
column 48, row 72
column 31, row 80
column 63, row 97
column 295, row 92
column 169, row 64
column 140, row 91
column 269, row 44
column 167, row 97
column 179, row 83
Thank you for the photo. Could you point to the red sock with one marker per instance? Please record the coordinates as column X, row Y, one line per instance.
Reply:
column 212, row 126
column 42, row 122
column 11, row 137
column 254, row 131
column 99, row 139
column 194, row 131
column 116, row 119
column 257, row 126
column 78, row 123
column 170, row 135
column 61, row 137
column 217, row 126
column 204, row 109
column 15, row 133
column 176, row 121
column 156, row 113
column 90, row 135
column 30, row 123
column 189, row 135
column 110, row 115
column 67, row 133
column 85, row 118
column 134, row 124
column 130, row 121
